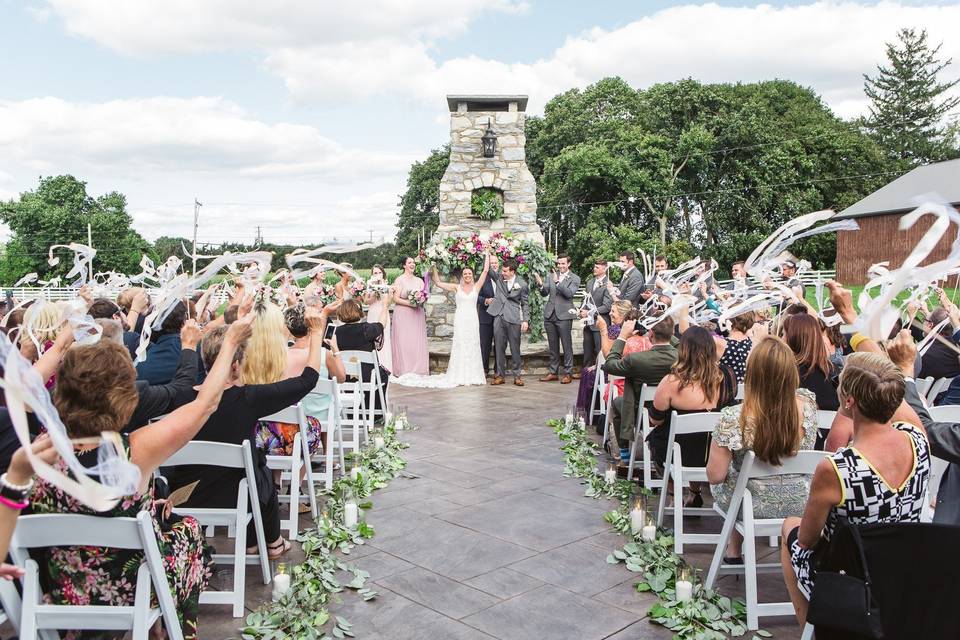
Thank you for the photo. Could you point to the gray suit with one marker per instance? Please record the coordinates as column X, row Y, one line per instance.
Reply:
column 591, row 335
column 944, row 438
column 631, row 285
column 558, row 315
column 509, row 310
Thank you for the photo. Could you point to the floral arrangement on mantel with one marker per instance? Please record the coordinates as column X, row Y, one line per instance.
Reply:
column 704, row 614
column 302, row 613
column 453, row 254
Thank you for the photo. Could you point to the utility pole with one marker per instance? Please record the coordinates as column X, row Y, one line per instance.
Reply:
column 90, row 244
column 259, row 240
column 196, row 221
column 371, row 235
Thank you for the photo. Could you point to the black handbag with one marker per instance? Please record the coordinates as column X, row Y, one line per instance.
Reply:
column 845, row 602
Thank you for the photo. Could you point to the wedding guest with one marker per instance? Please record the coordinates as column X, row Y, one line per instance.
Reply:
column 163, row 353
column 484, row 298
column 940, row 359
column 602, row 300
column 95, row 394
column 813, row 360
column 696, row 383
column 881, row 477
column 108, row 309
column 789, row 272
column 357, row 334
column 738, row 345
column 408, row 336
column 648, row 367
column 632, row 280
column 376, row 301
column 660, row 265
column 558, row 312
column 777, row 419
column 235, row 420
column 621, row 311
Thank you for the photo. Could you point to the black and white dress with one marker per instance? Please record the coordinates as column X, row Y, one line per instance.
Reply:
column 868, row 499
column 735, row 356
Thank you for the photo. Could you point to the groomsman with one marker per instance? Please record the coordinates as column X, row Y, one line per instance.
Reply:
column 558, row 314
column 486, row 320
column 632, row 282
column 596, row 289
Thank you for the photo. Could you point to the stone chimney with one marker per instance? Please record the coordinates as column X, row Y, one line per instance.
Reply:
column 506, row 171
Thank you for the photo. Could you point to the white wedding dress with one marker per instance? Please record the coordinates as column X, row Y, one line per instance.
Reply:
column 464, row 367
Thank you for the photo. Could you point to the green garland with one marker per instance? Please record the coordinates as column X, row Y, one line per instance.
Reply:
column 708, row 615
column 487, row 204
column 303, row 612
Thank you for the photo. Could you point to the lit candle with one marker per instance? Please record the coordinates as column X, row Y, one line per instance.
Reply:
column 387, row 417
column 378, row 442
column 649, row 532
column 351, row 514
column 400, row 424
column 354, row 472
column 638, row 517
column 569, row 419
column 281, row 585
column 610, row 475
column 684, row 585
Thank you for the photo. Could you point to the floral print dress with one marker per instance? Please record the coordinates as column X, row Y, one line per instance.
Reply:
column 97, row 575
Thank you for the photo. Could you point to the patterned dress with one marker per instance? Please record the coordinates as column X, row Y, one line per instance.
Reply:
column 735, row 356
column 96, row 575
column 774, row 497
column 867, row 499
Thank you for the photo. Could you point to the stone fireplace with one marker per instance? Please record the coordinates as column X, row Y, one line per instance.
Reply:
column 470, row 171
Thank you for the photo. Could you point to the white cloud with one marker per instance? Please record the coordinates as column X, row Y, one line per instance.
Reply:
column 161, row 152
column 190, row 26
column 825, row 45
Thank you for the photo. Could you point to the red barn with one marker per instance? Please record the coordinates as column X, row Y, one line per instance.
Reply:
column 878, row 215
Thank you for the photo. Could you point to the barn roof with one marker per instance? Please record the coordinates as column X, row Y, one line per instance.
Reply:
column 940, row 181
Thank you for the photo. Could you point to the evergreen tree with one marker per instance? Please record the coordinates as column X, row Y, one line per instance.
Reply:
column 909, row 103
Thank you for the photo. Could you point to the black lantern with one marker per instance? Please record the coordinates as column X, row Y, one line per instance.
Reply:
column 489, row 140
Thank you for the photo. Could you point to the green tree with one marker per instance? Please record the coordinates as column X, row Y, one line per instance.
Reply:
column 58, row 212
column 908, row 102
column 419, row 204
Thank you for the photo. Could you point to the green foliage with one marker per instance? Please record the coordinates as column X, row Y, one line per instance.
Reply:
column 303, row 612
column 58, row 212
column 593, row 241
column 908, row 102
column 708, row 615
column 419, row 204
column 487, row 203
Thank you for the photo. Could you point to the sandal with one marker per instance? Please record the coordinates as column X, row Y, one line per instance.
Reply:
column 278, row 549
column 304, row 508
column 696, row 501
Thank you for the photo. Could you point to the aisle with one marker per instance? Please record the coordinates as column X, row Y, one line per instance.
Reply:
column 490, row 541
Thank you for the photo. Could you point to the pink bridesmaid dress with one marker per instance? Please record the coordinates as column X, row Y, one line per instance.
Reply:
column 408, row 333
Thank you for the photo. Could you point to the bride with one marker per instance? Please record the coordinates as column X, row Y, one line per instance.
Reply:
column 465, row 366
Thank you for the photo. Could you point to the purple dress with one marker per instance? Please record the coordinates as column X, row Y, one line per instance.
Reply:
column 408, row 333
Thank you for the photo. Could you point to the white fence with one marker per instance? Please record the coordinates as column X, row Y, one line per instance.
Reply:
column 54, row 294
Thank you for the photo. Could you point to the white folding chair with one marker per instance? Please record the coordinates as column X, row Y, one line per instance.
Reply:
column 69, row 530
column 372, row 389
column 640, row 433
column 352, row 401
column 597, row 405
column 290, row 466
column 12, row 605
column 613, row 394
column 939, row 386
column 825, row 422
column 236, row 519
column 805, row 462
column 333, row 438
column 674, row 469
column 741, row 391
column 924, row 385
column 943, row 413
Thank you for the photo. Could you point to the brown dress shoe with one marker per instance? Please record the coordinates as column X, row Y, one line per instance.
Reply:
column 550, row 377
column 496, row 380
column 565, row 380
column 518, row 381
column 575, row 376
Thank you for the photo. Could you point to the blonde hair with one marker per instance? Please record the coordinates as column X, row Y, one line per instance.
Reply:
column 41, row 321
column 874, row 383
column 623, row 306
column 265, row 358
column 769, row 420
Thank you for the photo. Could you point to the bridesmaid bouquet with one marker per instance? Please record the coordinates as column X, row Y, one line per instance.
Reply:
column 417, row 298
column 357, row 288
column 327, row 293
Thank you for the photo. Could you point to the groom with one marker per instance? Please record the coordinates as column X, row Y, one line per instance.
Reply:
column 511, row 316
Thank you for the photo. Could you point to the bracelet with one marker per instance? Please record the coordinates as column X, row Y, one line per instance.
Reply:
column 16, row 487
column 16, row 506
column 856, row 339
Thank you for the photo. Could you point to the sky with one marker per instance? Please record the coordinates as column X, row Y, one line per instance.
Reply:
column 302, row 117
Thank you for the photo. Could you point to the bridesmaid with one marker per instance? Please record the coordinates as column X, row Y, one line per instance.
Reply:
column 408, row 334
column 343, row 286
column 375, row 301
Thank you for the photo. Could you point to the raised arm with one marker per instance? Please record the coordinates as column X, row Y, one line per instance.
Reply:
column 154, row 443
column 49, row 362
column 484, row 273
column 446, row 286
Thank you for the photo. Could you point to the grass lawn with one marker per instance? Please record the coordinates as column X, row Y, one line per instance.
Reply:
column 932, row 302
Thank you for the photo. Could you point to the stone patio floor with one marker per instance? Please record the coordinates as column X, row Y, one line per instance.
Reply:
column 489, row 540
